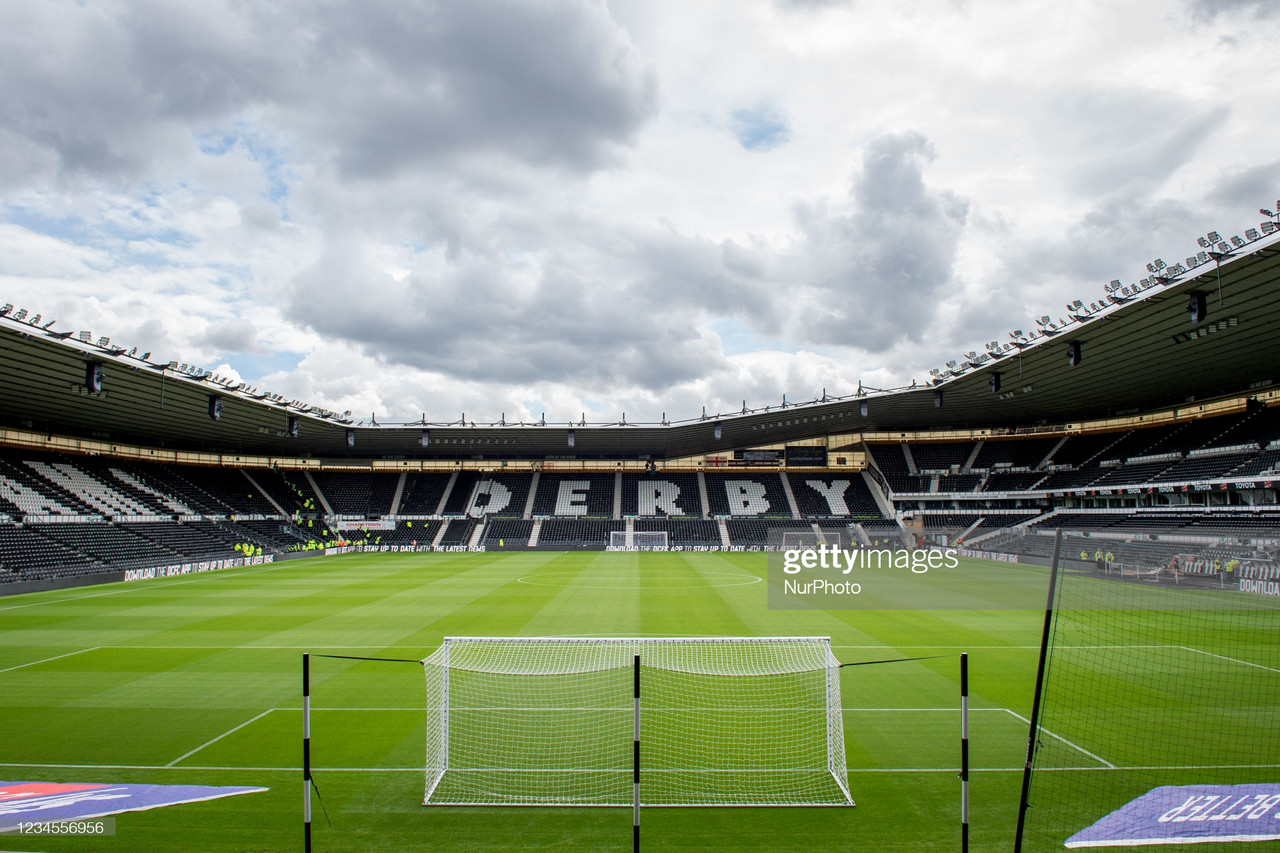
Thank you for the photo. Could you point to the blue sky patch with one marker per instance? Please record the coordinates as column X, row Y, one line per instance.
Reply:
column 761, row 128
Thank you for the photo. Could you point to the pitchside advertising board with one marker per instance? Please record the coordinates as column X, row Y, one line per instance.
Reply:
column 1189, row 814
column 35, row 808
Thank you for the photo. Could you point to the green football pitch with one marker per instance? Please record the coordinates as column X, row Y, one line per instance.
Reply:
column 197, row 680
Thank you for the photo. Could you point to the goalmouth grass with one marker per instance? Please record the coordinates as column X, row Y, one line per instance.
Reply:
column 196, row 680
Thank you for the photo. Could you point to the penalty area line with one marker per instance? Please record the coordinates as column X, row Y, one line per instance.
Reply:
column 219, row 737
column 1232, row 660
column 1074, row 746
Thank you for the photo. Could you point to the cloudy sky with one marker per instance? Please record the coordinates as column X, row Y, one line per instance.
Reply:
column 641, row 206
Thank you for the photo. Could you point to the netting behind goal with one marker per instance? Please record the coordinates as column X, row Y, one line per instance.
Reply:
column 549, row 721
column 809, row 538
column 1152, row 679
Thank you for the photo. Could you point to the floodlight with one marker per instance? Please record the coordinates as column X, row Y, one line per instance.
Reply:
column 1214, row 237
column 21, row 315
column 48, row 324
column 1151, row 267
column 1191, row 261
column 86, row 336
column 35, row 321
column 1076, row 304
column 1115, row 284
column 1252, row 234
column 8, row 306
column 1269, row 227
column 1202, row 242
column 1202, row 257
column 952, row 364
column 1043, row 320
column 1224, row 247
column 1177, row 269
column 103, row 342
column 1236, row 241
column 1016, row 333
column 1266, row 212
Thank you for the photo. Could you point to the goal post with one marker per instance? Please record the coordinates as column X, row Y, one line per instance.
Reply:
column 639, row 540
column 727, row 721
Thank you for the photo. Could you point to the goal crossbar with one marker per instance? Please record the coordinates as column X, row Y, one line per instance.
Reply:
column 727, row 721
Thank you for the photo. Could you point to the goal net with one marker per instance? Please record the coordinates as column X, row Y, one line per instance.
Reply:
column 1151, row 683
column 641, row 540
column 549, row 721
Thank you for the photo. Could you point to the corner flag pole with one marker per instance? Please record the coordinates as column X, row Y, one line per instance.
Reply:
column 1023, row 803
column 964, row 752
column 635, row 766
column 306, row 752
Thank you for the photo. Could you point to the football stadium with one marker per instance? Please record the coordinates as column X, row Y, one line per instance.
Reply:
column 1051, row 613
column 614, row 425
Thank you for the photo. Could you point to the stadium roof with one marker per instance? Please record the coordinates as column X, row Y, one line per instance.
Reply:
column 1138, row 353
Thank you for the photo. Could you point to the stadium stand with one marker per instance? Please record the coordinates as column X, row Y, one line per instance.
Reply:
column 892, row 462
column 422, row 493
column 691, row 533
column 585, row 495
column 505, row 533
column 941, row 456
column 356, row 493
column 577, row 534
column 824, row 496
column 661, row 494
column 1133, row 490
column 747, row 495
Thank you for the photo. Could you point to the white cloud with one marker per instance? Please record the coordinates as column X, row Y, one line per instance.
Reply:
column 504, row 207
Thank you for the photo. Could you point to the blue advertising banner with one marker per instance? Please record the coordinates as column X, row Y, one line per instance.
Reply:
column 23, row 803
column 1188, row 814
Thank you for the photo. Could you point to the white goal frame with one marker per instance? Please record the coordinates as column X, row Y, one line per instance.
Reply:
column 726, row 721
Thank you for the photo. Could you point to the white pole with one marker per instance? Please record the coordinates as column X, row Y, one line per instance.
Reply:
column 635, row 766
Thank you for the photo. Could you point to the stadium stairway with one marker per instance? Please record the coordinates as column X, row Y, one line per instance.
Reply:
column 533, row 491
column 886, row 508
column 791, row 497
column 324, row 502
column 399, row 493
